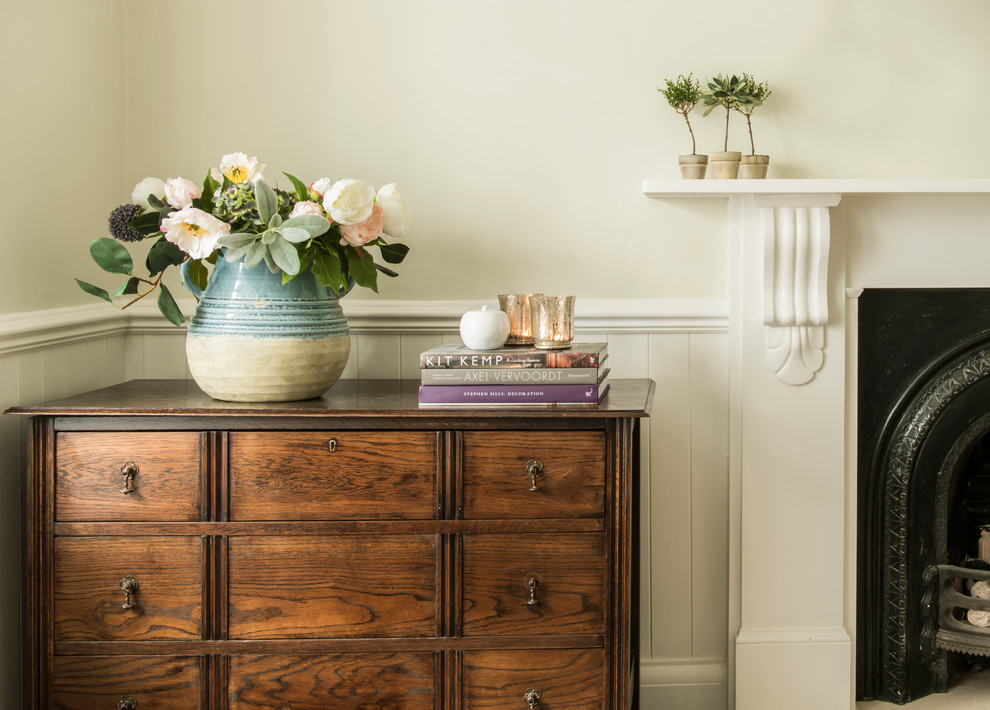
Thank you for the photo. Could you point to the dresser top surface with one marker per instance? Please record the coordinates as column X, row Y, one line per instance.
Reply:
column 359, row 398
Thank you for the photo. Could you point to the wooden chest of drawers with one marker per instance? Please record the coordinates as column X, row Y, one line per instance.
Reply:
column 352, row 552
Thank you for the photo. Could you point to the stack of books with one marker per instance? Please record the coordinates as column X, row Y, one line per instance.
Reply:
column 514, row 375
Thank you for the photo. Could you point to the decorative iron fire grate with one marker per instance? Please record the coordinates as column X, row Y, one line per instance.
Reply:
column 958, row 609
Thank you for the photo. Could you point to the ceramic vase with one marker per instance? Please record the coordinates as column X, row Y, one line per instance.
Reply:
column 754, row 167
column 255, row 339
column 693, row 167
column 725, row 164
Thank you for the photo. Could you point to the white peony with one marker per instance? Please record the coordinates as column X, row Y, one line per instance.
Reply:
column 396, row 211
column 194, row 231
column 349, row 201
column 180, row 192
column 148, row 186
column 238, row 168
column 321, row 186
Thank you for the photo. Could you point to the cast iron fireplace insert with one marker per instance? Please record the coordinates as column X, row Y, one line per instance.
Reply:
column 923, row 486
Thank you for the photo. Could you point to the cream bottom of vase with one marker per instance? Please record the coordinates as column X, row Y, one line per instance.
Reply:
column 244, row 368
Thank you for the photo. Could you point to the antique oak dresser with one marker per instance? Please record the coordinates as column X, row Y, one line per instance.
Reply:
column 353, row 552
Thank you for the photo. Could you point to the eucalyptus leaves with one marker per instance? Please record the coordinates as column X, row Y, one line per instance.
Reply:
column 326, row 227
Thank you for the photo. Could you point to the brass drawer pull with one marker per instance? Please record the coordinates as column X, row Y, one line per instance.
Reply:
column 129, row 585
column 531, row 585
column 127, row 703
column 532, row 697
column 129, row 470
column 534, row 469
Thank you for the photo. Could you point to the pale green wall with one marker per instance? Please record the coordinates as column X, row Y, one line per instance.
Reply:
column 520, row 129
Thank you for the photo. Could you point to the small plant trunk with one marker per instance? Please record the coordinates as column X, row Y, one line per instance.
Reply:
column 726, row 147
column 749, row 125
column 694, row 149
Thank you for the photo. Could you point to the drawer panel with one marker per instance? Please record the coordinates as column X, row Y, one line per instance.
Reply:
column 570, row 480
column 349, row 681
column 339, row 586
column 533, row 584
column 154, row 682
column 167, row 604
column 566, row 679
column 89, row 477
column 333, row 475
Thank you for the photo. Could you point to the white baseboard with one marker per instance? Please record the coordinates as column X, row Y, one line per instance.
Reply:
column 23, row 332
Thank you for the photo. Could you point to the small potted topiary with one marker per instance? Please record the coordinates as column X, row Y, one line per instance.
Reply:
column 725, row 92
column 683, row 95
column 755, row 93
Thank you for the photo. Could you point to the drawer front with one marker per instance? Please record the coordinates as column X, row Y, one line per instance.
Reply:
column 91, row 476
column 333, row 475
column 349, row 681
column 551, row 474
column 153, row 682
column 533, row 584
column 340, row 586
column 564, row 679
column 166, row 603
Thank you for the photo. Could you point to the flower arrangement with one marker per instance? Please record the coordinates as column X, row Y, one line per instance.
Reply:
column 326, row 227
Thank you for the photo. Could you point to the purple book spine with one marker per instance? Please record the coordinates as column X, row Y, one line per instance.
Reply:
column 508, row 394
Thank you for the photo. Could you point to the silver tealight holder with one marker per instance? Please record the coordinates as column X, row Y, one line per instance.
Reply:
column 519, row 310
column 553, row 321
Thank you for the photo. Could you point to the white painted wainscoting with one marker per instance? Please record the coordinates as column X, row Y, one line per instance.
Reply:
column 681, row 344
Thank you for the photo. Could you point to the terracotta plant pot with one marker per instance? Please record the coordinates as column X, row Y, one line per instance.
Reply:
column 725, row 164
column 693, row 167
column 754, row 166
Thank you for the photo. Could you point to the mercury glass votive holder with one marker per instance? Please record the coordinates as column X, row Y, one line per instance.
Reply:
column 553, row 321
column 517, row 307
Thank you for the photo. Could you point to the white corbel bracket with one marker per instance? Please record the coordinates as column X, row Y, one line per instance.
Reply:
column 795, row 282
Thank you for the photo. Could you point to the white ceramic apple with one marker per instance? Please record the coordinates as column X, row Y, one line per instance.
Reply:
column 484, row 329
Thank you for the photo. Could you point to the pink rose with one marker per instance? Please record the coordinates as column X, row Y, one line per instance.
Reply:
column 363, row 232
column 320, row 187
column 306, row 208
column 180, row 192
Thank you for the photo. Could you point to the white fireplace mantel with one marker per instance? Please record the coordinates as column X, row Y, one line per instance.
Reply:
column 796, row 250
column 796, row 242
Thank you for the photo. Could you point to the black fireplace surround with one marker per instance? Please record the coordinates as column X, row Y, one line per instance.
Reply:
column 923, row 477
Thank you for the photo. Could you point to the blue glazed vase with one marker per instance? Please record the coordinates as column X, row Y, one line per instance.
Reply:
column 255, row 339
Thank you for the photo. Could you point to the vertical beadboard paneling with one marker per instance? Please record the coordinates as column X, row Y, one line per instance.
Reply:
column 628, row 355
column 410, row 346
column 165, row 356
column 54, row 372
column 134, row 357
column 378, row 356
column 670, row 488
column 115, row 365
column 709, row 494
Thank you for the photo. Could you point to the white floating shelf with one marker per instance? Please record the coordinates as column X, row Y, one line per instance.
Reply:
column 840, row 186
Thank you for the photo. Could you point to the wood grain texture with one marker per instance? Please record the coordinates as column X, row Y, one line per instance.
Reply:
column 155, row 682
column 368, row 475
column 349, row 681
column 342, row 586
column 570, row 485
column 88, row 597
column 568, row 679
column 570, row 572
column 89, row 481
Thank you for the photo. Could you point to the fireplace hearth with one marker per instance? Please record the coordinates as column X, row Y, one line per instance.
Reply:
column 924, row 487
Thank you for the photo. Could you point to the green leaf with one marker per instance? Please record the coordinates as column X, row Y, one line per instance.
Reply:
column 198, row 273
column 236, row 254
column 255, row 253
column 168, row 307
column 147, row 223
column 285, row 255
column 128, row 287
column 302, row 192
column 162, row 255
column 264, row 195
column 394, row 253
column 111, row 256
column 362, row 269
column 156, row 202
column 326, row 268
column 269, row 236
column 276, row 221
column 294, row 234
column 315, row 225
column 210, row 185
column 94, row 290
column 387, row 272
column 237, row 240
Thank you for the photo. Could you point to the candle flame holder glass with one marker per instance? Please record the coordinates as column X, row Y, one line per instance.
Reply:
column 517, row 307
column 553, row 321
